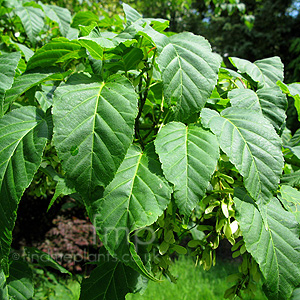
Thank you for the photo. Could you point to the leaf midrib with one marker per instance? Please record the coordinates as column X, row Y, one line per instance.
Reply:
column 260, row 185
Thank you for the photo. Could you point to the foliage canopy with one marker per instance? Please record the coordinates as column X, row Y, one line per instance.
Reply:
column 158, row 139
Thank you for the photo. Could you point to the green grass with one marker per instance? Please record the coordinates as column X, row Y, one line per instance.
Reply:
column 193, row 283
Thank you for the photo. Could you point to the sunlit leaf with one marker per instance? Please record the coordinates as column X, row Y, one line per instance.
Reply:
column 251, row 144
column 189, row 156
column 32, row 19
column 93, row 128
column 23, row 136
column 276, row 250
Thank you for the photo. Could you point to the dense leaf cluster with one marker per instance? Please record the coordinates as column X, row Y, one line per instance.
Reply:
column 158, row 139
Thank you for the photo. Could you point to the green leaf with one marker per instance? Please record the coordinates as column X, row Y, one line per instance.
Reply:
column 63, row 186
column 19, row 283
column 23, row 136
column 95, row 50
column 61, row 189
column 28, row 53
column 266, row 72
column 294, row 144
column 273, row 104
column 131, row 14
column 134, row 199
column 189, row 72
column 189, row 156
column 290, row 198
column 244, row 98
column 86, row 30
column 276, row 250
column 251, row 144
column 293, row 90
column 270, row 101
column 24, row 82
column 32, row 19
column 84, row 18
column 60, row 15
column 296, row 294
column 93, row 128
column 3, row 286
column 45, row 96
column 126, row 59
column 8, row 66
column 111, row 280
column 292, row 179
column 44, row 259
column 96, row 42
column 57, row 51
column 136, row 19
column 160, row 25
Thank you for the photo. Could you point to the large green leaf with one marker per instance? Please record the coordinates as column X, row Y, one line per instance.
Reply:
column 26, row 81
column 131, row 14
column 276, row 250
column 134, row 199
column 60, row 15
column 189, row 155
column 251, row 144
column 273, row 104
column 111, row 280
column 266, row 72
column 23, row 135
column 32, row 19
column 290, row 198
column 8, row 66
column 57, row 51
column 20, row 283
column 245, row 98
column 189, row 71
column 270, row 101
column 93, row 128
